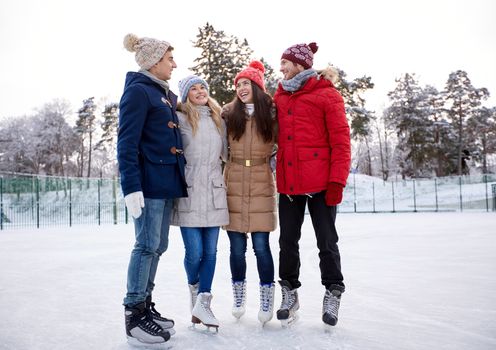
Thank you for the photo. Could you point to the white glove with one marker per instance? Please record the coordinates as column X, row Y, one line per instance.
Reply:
column 134, row 202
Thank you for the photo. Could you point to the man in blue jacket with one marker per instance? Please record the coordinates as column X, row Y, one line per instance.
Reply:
column 151, row 165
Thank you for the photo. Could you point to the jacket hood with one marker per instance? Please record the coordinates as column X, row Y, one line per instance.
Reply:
column 330, row 73
column 135, row 78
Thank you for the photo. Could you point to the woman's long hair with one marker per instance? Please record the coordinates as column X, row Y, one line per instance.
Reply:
column 194, row 116
column 263, row 114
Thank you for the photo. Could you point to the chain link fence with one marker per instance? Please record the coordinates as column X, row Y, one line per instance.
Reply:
column 41, row 201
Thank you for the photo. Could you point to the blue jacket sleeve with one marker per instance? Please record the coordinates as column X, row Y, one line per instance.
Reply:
column 132, row 117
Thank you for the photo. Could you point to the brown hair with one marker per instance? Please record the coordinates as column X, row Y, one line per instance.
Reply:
column 236, row 116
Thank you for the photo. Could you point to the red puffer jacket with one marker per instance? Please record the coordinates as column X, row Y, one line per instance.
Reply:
column 314, row 138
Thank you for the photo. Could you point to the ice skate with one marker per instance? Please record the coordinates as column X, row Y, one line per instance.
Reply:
column 239, row 301
column 193, row 291
column 289, row 305
column 266, row 303
column 202, row 314
column 167, row 324
column 141, row 330
column 330, row 306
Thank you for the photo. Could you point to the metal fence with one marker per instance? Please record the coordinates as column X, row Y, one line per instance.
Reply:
column 41, row 201
column 452, row 193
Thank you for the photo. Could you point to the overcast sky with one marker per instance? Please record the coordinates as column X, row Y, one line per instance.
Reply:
column 73, row 50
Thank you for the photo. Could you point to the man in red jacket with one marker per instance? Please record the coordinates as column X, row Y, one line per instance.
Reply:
column 313, row 161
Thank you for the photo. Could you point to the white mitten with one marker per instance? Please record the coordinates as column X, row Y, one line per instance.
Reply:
column 134, row 202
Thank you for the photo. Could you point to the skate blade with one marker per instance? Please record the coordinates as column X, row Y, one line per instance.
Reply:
column 171, row 331
column 152, row 346
column 289, row 321
column 205, row 329
column 328, row 328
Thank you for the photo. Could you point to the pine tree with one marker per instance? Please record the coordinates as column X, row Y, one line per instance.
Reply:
column 271, row 80
column 85, row 126
column 461, row 101
column 360, row 117
column 482, row 135
column 222, row 57
column 109, row 127
column 408, row 113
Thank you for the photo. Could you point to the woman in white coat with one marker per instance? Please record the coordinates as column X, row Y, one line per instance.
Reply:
column 201, row 214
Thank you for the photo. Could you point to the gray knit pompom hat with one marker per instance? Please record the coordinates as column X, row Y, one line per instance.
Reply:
column 148, row 51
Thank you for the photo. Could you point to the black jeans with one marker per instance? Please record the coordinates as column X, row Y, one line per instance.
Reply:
column 291, row 216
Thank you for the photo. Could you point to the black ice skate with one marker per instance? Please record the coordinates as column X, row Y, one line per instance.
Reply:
column 330, row 305
column 289, row 305
column 141, row 329
column 167, row 324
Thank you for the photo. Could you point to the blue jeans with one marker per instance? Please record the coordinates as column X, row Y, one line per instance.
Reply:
column 152, row 238
column 261, row 247
column 200, row 245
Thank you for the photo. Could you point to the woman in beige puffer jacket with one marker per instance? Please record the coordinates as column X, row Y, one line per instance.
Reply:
column 251, row 192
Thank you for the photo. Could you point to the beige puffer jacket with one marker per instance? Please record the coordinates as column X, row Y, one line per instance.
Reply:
column 251, row 191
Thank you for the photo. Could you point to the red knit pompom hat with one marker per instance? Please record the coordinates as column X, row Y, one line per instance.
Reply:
column 301, row 53
column 255, row 72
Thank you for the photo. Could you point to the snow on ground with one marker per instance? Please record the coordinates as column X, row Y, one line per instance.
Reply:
column 414, row 281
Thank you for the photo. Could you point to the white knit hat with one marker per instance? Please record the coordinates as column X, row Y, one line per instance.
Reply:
column 186, row 84
column 148, row 51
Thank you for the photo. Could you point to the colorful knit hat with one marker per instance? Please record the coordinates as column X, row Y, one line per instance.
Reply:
column 255, row 72
column 148, row 51
column 301, row 53
column 186, row 84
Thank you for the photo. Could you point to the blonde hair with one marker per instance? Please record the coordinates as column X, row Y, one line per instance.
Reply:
column 193, row 115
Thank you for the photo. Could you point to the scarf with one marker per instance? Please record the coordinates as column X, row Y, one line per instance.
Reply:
column 250, row 108
column 295, row 83
column 162, row 83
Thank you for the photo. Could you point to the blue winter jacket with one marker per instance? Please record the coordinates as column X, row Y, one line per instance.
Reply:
column 149, row 146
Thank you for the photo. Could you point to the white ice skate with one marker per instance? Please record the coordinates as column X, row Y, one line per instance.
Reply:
column 202, row 313
column 239, row 298
column 266, row 303
column 193, row 291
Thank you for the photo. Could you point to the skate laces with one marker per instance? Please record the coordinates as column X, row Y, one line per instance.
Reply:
column 331, row 303
column 149, row 326
column 154, row 311
column 288, row 298
column 205, row 303
column 154, row 314
column 239, row 291
column 266, row 297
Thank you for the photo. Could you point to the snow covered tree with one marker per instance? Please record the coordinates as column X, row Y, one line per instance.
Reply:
column 271, row 79
column 461, row 101
column 55, row 139
column 222, row 57
column 384, row 136
column 39, row 144
column 482, row 135
column 107, row 143
column 360, row 118
column 443, row 141
column 85, row 127
column 15, row 151
column 409, row 114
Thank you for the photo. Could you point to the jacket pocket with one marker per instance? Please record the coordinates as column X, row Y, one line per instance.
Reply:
column 185, row 204
column 219, row 193
column 313, row 167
